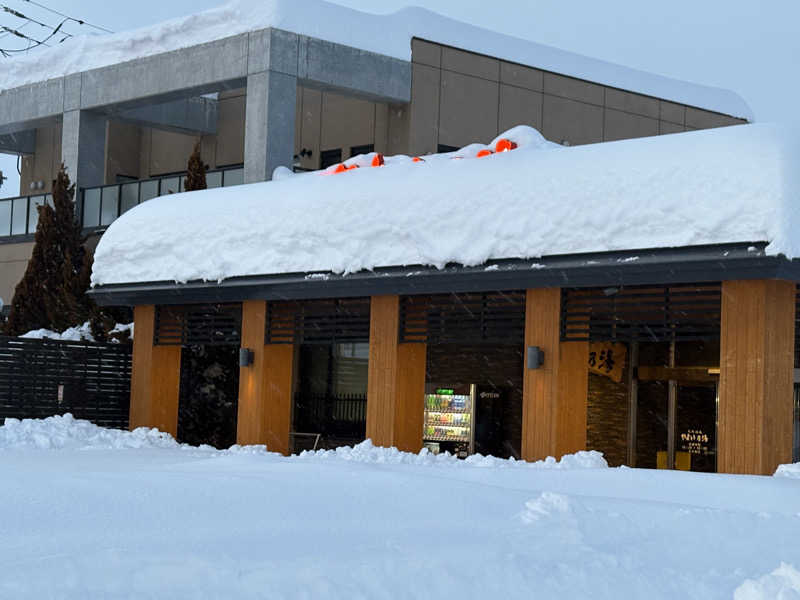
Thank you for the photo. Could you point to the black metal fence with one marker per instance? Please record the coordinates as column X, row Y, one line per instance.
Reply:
column 42, row 378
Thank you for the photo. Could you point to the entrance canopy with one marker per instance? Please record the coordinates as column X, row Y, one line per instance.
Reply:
column 697, row 199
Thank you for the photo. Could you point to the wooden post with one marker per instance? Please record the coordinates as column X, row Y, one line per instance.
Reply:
column 265, row 387
column 396, row 384
column 554, row 395
column 756, row 376
column 155, row 377
column 572, row 398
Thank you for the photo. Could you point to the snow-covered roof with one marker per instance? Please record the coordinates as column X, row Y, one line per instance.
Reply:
column 733, row 185
column 384, row 34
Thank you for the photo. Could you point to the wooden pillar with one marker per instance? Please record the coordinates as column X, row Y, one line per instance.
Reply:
column 554, row 395
column 265, row 387
column 756, row 376
column 572, row 398
column 396, row 384
column 155, row 377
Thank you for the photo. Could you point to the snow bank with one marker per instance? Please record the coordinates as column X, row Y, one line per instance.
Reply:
column 80, row 333
column 72, row 334
column 782, row 584
column 384, row 34
column 367, row 452
column 62, row 432
column 791, row 471
column 736, row 184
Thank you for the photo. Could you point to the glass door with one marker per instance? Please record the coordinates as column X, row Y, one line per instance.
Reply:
column 696, row 428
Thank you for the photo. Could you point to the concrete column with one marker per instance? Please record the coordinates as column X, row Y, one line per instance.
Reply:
column 756, row 376
column 83, row 147
column 269, row 124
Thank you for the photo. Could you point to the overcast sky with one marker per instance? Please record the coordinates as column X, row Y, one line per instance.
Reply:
column 750, row 47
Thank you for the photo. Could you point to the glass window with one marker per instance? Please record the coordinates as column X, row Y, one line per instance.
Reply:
column 214, row 179
column 233, row 177
column 91, row 207
column 5, row 217
column 110, row 205
column 148, row 190
column 19, row 216
column 33, row 212
column 170, row 185
column 130, row 196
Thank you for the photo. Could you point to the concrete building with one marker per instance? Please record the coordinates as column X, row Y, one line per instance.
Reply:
column 271, row 97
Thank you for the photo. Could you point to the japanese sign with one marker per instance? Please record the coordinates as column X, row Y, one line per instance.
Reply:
column 607, row 358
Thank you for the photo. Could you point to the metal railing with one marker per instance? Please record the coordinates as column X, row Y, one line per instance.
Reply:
column 18, row 216
column 102, row 205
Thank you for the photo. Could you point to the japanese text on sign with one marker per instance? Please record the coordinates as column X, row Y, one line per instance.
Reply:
column 606, row 358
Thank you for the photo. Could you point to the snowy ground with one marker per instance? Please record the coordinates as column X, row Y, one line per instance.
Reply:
column 91, row 513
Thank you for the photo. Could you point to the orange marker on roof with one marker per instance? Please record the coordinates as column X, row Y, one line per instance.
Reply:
column 417, row 159
column 377, row 160
column 484, row 152
column 340, row 168
column 504, row 145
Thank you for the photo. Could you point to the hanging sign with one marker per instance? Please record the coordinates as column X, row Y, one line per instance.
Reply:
column 607, row 359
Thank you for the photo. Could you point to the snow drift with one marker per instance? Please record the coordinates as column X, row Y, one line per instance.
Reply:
column 384, row 34
column 736, row 184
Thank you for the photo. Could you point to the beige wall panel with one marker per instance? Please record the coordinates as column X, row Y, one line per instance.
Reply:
column 426, row 53
column 468, row 63
column 144, row 154
column 674, row 113
column 513, row 74
column 575, row 89
column 123, row 150
column 44, row 163
column 468, row 111
column 424, row 110
column 13, row 262
column 633, row 103
column 399, row 126
column 230, row 131
column 310, row 117
column 381, row 127
column 576, row 122
column 169, row 152
column 703, row 119
column 665, row 127
column 622, row 126
column 519, row 107
column 346, row 122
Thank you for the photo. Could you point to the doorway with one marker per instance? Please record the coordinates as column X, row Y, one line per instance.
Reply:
column 675, row 408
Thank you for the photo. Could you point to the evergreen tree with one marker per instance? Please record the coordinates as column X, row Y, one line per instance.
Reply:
column 196, row 172
column 51, row 294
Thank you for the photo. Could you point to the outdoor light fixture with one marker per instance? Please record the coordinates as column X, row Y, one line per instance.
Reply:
column 245, row 357
column 535, row 357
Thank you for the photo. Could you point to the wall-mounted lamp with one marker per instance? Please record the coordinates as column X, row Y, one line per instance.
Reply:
column 535, row 357
column 245, row 357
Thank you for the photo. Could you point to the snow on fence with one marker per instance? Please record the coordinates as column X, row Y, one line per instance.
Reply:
column 41, row 378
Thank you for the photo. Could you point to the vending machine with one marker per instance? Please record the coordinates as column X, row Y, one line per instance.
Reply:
column 449, row 419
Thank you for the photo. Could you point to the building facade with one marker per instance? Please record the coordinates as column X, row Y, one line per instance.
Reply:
column 268, row 98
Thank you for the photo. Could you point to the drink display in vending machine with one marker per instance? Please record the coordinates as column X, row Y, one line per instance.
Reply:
column 449, row 418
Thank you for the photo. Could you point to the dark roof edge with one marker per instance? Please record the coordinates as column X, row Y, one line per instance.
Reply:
column 692, row 264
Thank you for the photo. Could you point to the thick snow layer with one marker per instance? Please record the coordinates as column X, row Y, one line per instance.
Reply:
column 105, row 514
column 72, row 334
column 736, row 184
column 76, row 334
column 384, row 34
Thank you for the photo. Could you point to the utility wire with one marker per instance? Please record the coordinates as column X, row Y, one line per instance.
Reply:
column 32, row 42
column 60, row 14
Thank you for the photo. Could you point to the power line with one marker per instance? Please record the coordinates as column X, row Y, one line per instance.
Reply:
column 60, row 14
column 28, row 20
column 33, row 42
